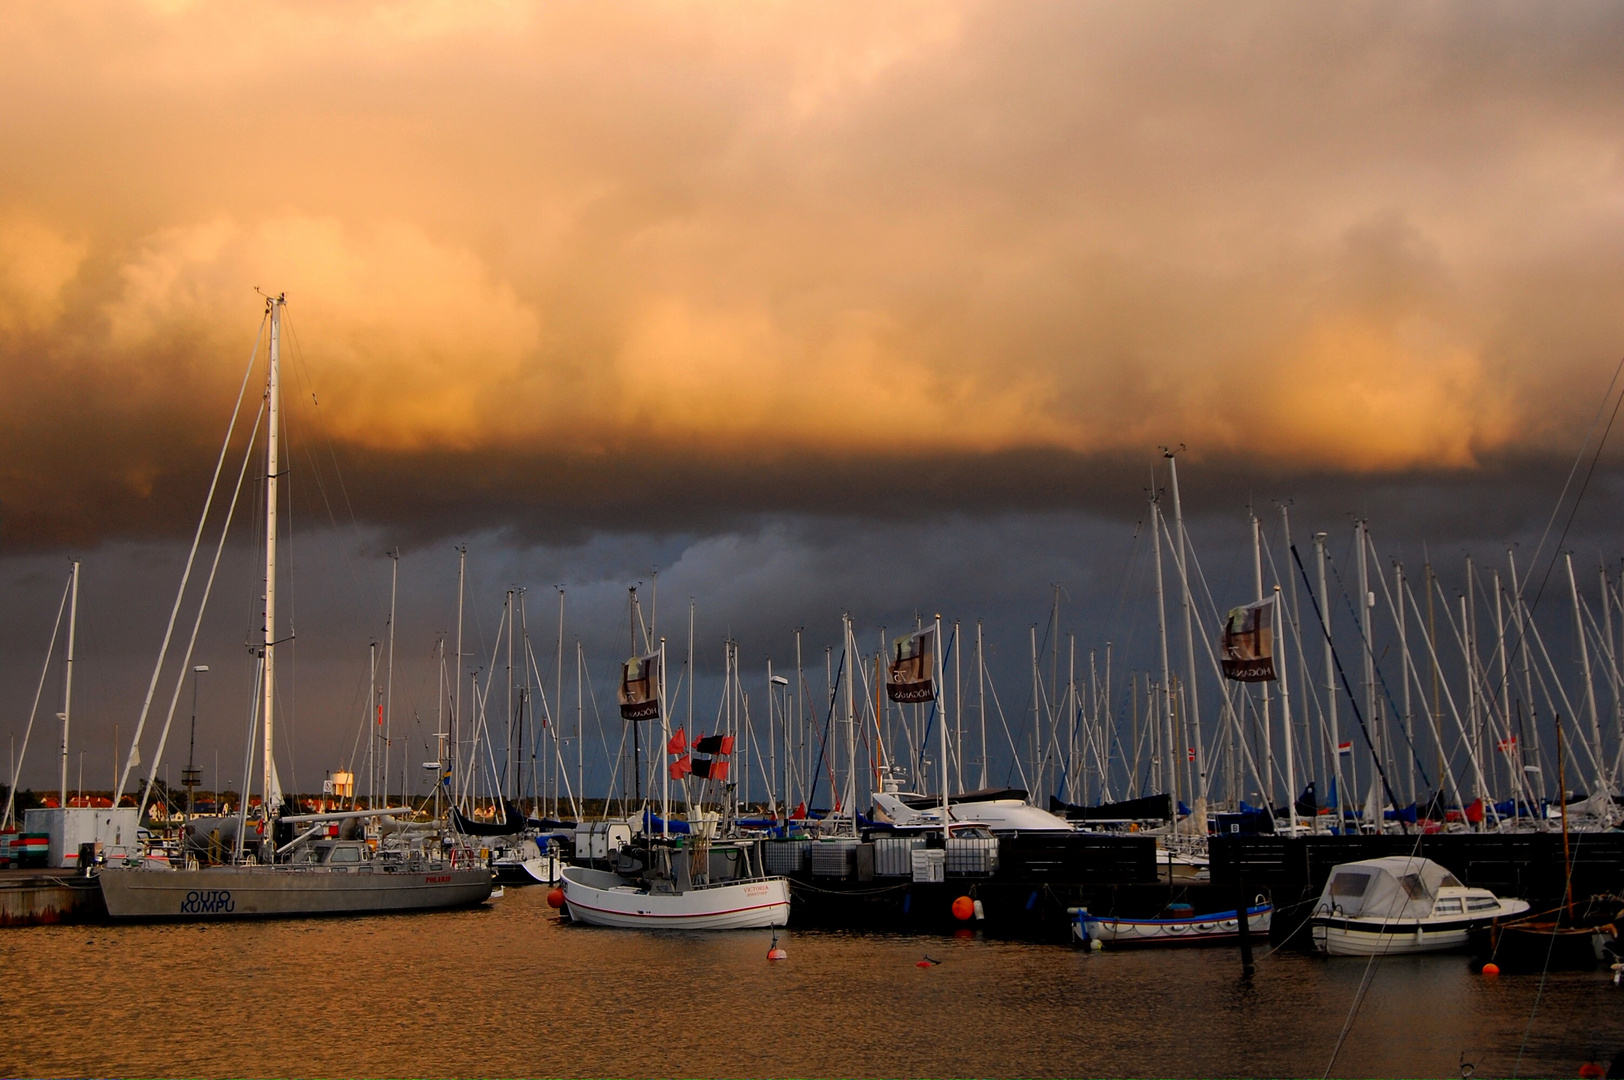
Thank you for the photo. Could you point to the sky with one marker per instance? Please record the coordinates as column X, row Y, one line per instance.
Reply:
column 817, row 307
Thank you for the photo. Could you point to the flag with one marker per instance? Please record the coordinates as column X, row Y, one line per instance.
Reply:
column 1192, row 753
column 1247, row 643
column 714, row 744
column 681, row 767
column 1344, row 748
column 380, row 714
column 1506, row 746
column 712, row 769
column 800, row 811
column 677, row 743
column 640, row 688
column 913, row 668
column 1474, row 812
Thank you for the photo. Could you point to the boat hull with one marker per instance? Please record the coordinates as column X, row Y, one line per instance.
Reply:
column 539, row 870
column 1361, row 937
column 1219, row 927
column 597, row 898
column 248, row 892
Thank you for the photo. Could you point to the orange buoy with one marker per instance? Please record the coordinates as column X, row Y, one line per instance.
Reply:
column 964, row 908
column 1591, row 1070
column 776, row 953
column 1491, row 970
column 924, row 963
column 556, row 898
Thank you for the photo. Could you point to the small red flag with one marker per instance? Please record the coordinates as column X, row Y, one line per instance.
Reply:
column 678, row 743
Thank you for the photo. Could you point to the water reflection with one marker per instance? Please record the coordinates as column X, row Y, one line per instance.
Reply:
column 508, row 990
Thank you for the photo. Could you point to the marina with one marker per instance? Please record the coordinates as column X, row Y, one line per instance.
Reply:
column 969, row 539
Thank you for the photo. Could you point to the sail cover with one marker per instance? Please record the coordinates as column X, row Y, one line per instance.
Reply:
column 1248, row 643
column 913, row 667
column 640, row 688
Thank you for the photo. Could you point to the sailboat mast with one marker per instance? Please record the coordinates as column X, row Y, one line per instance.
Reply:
column 457, row 704
column 389, row 678
column 1181, row 557
column 941, row 724
column 272, row 432
column 67, row 678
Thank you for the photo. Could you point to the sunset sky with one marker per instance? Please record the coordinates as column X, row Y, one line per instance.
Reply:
column 791, row 291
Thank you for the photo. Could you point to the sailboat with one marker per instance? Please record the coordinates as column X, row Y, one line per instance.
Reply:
column 313, row 873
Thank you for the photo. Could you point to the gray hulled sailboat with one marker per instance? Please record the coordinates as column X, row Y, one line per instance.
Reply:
column 311, row 874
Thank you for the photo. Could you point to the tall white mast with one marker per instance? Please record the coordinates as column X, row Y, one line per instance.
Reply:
column 389, row 678
column 1373, row 799
column 981, row 685
column 941, row 723
column 67, row 679
column 1268, row 737
column 1167, row 770
column 456, row 704
column 1584, row 673
column 272, row 433
column 1181, row 556
column 1330, row 683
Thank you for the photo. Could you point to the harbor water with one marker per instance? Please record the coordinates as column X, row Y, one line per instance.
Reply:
column 511, row 990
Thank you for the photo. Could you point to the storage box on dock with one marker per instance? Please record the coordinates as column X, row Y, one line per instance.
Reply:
column 972, row 856
column 834, row 858
column 786, row 856
column 929, row 865
column 68, row 830
column 893, row 855
column 599, row 840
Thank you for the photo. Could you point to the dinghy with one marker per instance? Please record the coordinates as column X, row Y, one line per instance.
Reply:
column 1214, row 928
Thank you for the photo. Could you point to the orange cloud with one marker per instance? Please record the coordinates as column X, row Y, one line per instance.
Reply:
column 1303, row 239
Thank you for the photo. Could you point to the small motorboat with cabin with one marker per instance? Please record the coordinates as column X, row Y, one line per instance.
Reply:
column 1398, row 905
column 1171, row 928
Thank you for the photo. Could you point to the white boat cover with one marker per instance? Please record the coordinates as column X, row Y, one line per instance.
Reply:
column 1396, row 887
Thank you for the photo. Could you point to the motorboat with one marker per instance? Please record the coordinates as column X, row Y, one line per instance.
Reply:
column 1398, row 905
column 1170, row 928
column 1002, row 810
column 530, row 861
column 603, row 898
column 678, row 885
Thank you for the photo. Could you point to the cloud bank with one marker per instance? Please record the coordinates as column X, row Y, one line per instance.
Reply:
column 655, row 265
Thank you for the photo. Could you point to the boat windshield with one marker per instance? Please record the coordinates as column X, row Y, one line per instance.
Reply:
column 1447, row 907
column 1350, row 884
column 1414, row 887
column 1481, row 903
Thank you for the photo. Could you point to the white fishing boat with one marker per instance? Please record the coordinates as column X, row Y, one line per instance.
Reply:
column 1399, row 905
column 1213, row 928
column 601, row 898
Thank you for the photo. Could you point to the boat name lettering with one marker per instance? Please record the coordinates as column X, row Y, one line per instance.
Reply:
column 207, row 902
column 436, row 879
column 755, row 890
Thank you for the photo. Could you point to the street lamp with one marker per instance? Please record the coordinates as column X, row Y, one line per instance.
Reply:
column 191, row 774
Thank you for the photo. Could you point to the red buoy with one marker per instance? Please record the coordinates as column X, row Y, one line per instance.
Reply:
column 1491, row 970
column 1591, row 1070
column 964, row 908
column 556, row 898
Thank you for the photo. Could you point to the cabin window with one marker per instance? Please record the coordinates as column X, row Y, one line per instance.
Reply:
column 1350, row 884
column 1415, row 887
column 1481, row 903
column 344, row 855
column 1446, row 907
column 1452, row 882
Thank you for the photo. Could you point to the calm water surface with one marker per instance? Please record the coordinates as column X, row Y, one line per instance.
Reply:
column 508, row 990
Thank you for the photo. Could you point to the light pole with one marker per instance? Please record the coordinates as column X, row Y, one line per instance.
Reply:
column 192, row 773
